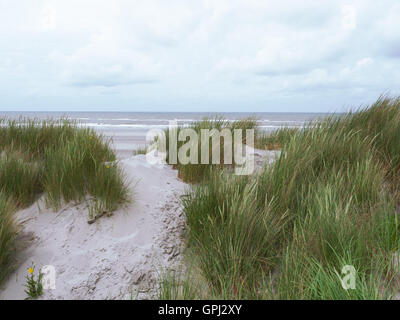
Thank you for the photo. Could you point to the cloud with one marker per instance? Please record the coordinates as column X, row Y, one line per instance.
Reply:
column 107, row 81
column 106, row 61
column 197, row 53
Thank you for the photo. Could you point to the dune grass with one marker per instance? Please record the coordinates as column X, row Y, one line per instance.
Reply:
column 8, row 231
column 275, row 140
column 62, row 161
column 140, row 150
column 330, row 200
column 19, row 179
column 196, row 172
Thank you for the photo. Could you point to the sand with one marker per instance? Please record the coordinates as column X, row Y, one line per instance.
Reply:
column 118, row 257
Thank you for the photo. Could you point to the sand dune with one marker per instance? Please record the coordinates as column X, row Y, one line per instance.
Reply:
column 116, row 257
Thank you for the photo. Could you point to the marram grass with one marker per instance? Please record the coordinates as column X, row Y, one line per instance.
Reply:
column 8, row 232
column 330, row 200
column 275, row 140
column 62, row 161
column 194, row 173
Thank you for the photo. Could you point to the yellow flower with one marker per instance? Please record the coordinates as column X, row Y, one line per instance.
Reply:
column 107, row 166
column 30, row 270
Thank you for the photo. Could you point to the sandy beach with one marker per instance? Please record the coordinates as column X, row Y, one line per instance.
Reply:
column 117, row 257
column 216, row 152
column 121, row 256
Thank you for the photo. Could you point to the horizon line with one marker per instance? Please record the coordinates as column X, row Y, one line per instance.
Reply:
column 107, row 111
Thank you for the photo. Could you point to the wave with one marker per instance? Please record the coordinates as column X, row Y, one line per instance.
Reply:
column 184, row 120
column 150, row 126
column 102, row 125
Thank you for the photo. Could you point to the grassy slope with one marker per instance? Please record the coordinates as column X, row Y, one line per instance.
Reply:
column 62, row 161
column 328, row 201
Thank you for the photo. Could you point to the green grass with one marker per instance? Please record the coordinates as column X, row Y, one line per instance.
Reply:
column 60, row 160
column 81, row 167
column 19, row 179
column 196, row 172
column 8, row 231
column 140, row 150
column 331, row 199
column 177, row 285
column 275, row 139
column 231, row 233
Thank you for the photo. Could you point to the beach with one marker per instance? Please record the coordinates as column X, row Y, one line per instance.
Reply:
column 118, row 257
column 128, row 129
column 219, row 152
column 112, row 225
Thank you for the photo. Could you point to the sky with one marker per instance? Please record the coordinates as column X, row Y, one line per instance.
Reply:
column 197, row 55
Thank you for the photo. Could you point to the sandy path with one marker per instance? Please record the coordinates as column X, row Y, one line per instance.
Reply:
column 117, row 257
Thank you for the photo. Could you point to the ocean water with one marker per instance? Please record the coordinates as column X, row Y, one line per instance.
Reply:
column 128, row 129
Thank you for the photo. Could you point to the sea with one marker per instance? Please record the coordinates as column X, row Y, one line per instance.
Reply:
column 128, row 129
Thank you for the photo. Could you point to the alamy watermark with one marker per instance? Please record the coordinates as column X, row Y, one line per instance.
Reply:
column 349, row 279
column 49, row 277
column 195, row 149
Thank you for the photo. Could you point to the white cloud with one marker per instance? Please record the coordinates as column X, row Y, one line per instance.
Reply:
column 105, row 61
column 197, row 53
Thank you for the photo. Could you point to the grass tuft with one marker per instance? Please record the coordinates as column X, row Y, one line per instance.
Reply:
column 194, row 173
column 61, row 160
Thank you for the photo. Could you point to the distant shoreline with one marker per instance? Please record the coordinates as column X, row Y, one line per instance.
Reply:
column 128, row 129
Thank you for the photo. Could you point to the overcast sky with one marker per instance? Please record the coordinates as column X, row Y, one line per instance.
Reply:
column 197, row 55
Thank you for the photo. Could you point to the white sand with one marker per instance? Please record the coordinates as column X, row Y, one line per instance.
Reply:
column 116, row 257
